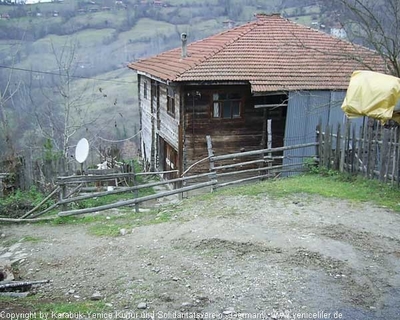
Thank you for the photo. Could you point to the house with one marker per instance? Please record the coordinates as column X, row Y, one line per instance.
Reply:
column 229, row 84
column 338, row 31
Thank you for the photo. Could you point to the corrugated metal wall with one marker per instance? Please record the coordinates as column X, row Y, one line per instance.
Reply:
column 305, row 110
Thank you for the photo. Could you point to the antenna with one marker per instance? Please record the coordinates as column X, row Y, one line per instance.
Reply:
column 82, row 150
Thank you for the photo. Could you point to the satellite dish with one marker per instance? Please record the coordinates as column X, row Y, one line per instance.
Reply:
column 82, row 150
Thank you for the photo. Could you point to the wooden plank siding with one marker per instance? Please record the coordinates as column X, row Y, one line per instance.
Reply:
column 156, row 121
column 146, row 119
column 169, row 123
column 228, row 135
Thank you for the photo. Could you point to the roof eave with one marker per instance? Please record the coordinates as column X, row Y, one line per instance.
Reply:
column 148, row 75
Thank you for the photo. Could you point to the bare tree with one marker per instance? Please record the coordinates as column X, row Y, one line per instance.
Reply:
column 375, row 24
column 61, row 111
column 8, row 88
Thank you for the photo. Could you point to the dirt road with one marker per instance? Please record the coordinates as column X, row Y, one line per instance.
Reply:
column 248, row 257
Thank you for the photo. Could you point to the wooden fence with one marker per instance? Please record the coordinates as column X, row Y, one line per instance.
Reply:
column 225, row 170
column 246, row 166
column 371, row 150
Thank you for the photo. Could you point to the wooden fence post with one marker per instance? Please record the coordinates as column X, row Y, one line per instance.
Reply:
column 269, row 142
column 1, row 188
column 327, row 147
column 63, row 194
column 318, row 140
column 354, row 167
column 136, row 192
column 269, row 155
column 336, row 163
column 395, row 154
column 213, row 174
column 345, row 146
column 360, row 151
column 384, row 155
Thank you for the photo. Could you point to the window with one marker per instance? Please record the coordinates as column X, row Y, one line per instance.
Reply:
column 271, row 100
column 171, row 101
column 145, row 90
column 226, row 105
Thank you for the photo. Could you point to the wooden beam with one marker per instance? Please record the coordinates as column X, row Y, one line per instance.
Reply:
column 43, row 201
column 137, row 200
column 82, row 179
column 257, row 152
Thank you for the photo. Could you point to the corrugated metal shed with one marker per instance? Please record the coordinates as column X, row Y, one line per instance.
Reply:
column 305, row 110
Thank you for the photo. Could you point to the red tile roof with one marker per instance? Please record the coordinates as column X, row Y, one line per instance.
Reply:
column 271, row 53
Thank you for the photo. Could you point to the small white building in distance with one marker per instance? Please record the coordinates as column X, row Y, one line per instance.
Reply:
column 338, row 31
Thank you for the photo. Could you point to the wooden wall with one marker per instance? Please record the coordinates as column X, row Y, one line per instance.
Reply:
column 156, row 121
column 146, row 140
column 169, row 124
column 228, row 135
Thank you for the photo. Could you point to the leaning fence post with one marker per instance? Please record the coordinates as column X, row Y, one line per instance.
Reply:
column 213, row 174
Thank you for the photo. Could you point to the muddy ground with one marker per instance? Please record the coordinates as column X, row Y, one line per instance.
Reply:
column 248, row 257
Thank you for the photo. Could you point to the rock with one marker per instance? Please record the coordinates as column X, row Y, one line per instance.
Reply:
column 72, row 291
column 96, row 296
column 123, row 232
column 142, row 305
column 228, row 311
column 108, row 305
column 6, row 273
column 3, row 235
column 175, row 279
column 186, row 304
column 15, row 246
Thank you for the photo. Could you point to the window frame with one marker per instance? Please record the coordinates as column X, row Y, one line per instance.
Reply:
column 145, row 90
column 171, row 102
column 220, row 101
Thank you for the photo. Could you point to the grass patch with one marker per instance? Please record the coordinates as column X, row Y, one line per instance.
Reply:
column 107, row 230
column 146, row 29
column 33, row 304
column 338, row 186
column 9, row 242
column 112, row 227
column 109, row 226
column 31, row 239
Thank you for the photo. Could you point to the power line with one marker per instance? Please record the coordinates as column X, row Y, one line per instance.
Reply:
column 57, row 74
column 122, row 139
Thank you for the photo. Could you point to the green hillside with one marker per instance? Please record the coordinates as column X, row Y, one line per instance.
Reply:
column 98, row 39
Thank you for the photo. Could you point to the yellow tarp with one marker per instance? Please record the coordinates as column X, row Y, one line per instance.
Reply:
column 374, row 95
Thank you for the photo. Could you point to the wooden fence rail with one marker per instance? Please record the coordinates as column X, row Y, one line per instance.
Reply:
column 256, row 164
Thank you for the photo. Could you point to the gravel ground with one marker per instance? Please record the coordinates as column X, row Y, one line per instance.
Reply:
column 247, row 257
